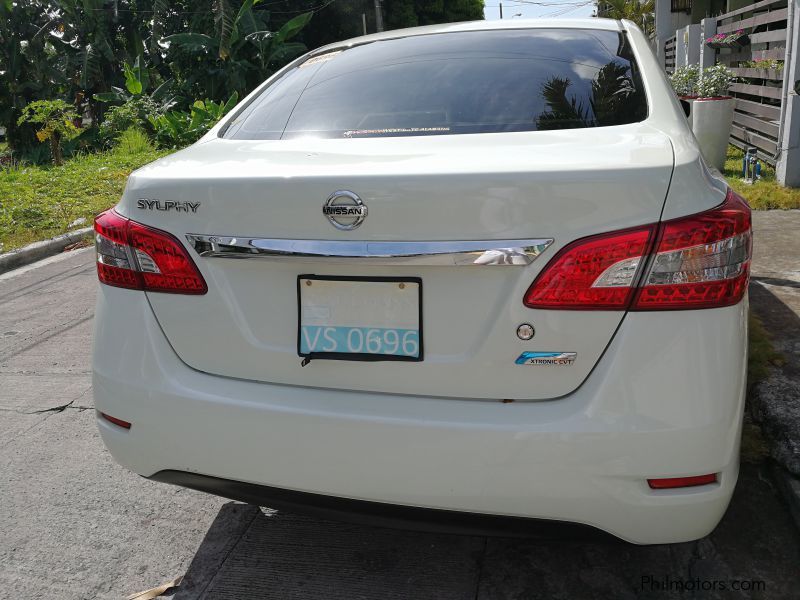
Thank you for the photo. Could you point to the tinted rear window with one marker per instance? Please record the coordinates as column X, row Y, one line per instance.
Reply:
column 451, row 83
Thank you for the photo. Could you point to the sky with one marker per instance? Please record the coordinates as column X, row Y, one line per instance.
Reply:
column 539, row 9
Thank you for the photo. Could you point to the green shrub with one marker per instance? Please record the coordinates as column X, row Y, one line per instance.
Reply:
column 56, row 119
column 763, row 63
column 175, row 129
column 134, row 141
column 136, row 111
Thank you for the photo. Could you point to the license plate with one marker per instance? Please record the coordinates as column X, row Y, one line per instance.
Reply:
column 359, row 318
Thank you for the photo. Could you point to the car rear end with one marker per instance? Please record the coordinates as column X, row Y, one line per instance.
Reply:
column 477, row 269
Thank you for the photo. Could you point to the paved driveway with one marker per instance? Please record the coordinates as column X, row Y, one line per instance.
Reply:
column 73, row 524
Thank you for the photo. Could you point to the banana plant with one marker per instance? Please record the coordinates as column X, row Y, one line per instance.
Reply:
column 137, row 83
column 238, row 54
column 175, row 129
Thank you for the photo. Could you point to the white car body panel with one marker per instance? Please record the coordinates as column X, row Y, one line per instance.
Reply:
column 213, row 383
column 583, row 458
column 500, row 186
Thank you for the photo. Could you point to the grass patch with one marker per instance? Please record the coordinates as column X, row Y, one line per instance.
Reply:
column 38, row 202
column 134, row 141
column 765, row 193
column 762, row 354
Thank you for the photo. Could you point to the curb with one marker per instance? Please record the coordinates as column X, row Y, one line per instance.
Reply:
column 39, row 250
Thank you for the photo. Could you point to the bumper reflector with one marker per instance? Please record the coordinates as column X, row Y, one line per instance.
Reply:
column 681, row 482
column 115, row 421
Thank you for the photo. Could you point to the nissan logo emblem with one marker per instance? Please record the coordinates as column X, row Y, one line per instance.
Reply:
column 344, row 210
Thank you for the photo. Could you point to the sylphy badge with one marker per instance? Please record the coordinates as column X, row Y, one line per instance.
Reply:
column 546, row 358
column 167, row 205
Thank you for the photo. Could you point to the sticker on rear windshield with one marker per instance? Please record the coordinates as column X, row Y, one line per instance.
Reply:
column 546, row 358
column 320, row 58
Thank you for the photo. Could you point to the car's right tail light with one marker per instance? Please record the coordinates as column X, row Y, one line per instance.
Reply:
column 699, row 261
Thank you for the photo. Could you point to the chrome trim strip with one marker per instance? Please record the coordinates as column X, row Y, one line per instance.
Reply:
column 447, row 253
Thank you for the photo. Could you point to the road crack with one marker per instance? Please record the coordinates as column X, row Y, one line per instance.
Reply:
column 54, row 409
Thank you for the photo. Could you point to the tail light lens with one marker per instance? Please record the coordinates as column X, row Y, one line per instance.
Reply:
column 670, row 483
column 700, row 261
column 115, row 420
column 138, row 257
column 595, row 273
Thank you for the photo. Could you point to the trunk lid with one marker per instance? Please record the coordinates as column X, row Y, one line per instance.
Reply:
column 559, row 185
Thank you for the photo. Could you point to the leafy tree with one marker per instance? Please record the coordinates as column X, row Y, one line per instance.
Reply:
column 56, row 119
column 28, row 66
column 98, row 54
column 410, row 13
column 91, row 40
column 400, row 13
column 641, row 12
column 235, row 53
column 342, row 19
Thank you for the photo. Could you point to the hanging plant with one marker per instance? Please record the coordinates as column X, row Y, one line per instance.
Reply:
column 734, row 39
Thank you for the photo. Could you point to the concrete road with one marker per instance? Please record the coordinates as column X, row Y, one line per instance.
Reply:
column 73, row 524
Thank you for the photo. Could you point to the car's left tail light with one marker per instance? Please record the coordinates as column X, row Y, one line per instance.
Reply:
column 135, row 256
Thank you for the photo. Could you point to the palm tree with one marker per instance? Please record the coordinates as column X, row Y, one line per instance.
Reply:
column 640, row 12
column 612, row 101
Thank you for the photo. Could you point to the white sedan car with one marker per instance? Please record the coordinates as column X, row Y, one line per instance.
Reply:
column 472, row 276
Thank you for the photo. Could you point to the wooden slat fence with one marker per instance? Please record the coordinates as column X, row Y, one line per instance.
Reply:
column 669, row 55
column 758, row 91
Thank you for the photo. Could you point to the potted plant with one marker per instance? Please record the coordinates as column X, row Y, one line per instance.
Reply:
column 733, row 39
column 763, row 68
column 712, row 113
column 684, row 82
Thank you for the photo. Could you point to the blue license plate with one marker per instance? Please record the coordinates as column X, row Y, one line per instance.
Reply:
column 359, row 340
column 359, row 318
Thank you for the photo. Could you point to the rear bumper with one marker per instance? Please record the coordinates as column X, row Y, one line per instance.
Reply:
column 380, row 514
column 665, row 400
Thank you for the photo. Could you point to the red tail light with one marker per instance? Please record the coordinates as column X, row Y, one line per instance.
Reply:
column 135, row 256
column 594, row 273
column 700, row 261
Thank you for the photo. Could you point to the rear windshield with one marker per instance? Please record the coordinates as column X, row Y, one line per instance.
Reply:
column 451, row 83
